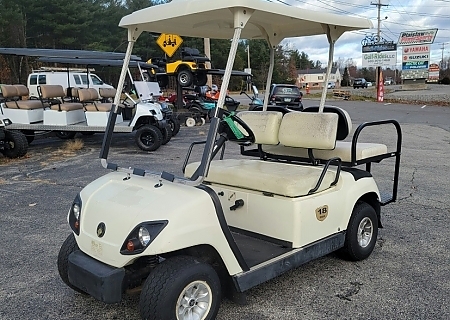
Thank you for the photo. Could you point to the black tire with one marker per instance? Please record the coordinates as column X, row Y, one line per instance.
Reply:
column 148, row 138
column 87, row 133
column 174, row 125
column 201, row 78
column 163, row 80
column 167, row 134
column 65, row 135
column 169, row 280
column 185, row 78
column 17, row 144
column 359, row 246
column 69, row 246
column 29, row 134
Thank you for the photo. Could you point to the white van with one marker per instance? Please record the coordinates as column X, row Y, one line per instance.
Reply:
column 77, row 80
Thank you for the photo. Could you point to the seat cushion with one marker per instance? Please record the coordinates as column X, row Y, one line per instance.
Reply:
column 24, row 104
column 283, row 179
column 102, row 107
column 67, row 106
column 342, row 150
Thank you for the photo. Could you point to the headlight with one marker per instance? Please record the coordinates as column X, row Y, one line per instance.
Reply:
column 75, row 215
column 141, row 236
column 76, row 210
column 7, row 122
column 144, row 236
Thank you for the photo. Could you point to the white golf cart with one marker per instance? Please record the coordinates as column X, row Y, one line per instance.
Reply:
column 84, row 110
column 236, row 223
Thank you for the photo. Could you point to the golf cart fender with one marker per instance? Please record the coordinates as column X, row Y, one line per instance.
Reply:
column 358, row 188
column 147, row 110
column 123, row 203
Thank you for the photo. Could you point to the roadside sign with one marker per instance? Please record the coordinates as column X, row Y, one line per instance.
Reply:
column 375, row 59
column 169, row 43
column 409, row 38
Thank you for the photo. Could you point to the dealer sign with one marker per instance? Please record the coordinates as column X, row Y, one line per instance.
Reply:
column 409, row 38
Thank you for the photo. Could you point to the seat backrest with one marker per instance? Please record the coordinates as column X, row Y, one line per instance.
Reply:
column 84, row 95
column 344, row 121
column 94, row 94
column 9, row 91
column 107, row 92
column 22, row 90
column 264, row 124
column 52, row 91
column 309, row 130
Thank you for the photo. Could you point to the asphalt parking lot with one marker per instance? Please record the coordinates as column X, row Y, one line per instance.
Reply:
column 406, row 277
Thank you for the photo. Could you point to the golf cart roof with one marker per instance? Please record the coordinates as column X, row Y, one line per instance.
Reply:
column 97, row 62
column 215, row 19
column 65, row 53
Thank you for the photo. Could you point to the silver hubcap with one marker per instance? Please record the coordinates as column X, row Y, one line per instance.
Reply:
column 194, row 301
column 365, row 232
column 183, row 78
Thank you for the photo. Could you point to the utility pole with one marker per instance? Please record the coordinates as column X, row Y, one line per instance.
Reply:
column 207, row 45
column 379, row 5
column 442, row 58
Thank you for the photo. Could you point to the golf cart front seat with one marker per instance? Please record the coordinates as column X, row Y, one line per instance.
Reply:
column 295, row 129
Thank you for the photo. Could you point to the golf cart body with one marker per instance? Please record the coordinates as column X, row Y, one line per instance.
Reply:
column 244, row 220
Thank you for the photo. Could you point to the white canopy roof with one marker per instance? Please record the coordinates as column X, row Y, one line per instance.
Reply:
column 216, row 19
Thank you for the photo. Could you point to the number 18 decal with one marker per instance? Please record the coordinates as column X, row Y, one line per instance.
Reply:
column 322, row 213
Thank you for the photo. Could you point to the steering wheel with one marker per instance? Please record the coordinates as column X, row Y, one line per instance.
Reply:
column 234, row 129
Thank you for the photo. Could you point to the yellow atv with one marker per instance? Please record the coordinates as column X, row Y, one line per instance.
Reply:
column 191, row 69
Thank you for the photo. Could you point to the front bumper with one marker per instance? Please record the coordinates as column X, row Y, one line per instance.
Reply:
column 103, row 282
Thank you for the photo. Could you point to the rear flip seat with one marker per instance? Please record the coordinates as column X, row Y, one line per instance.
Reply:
column 90, row 100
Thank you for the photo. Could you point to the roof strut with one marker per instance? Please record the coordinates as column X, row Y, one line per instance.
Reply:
column 331, row 41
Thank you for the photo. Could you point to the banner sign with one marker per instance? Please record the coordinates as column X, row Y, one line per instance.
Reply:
column 414, row 65
column 408, row 38
column 433, row 74
column 374, row 59
column 379, row 47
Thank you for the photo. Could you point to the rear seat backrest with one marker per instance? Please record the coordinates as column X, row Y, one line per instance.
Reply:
column 84, row 95
column 309, row 130
column 9, row 91
column 264, row 124
column 52, row 91
column 93, row 93
column 107, row 92
column 344, row 121
column 22, row 90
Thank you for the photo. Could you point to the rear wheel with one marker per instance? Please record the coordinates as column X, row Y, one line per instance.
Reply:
column 65, row 134
column 167, row 134
column 190, row 122
column 361, row 233
column 174, row 125
column 181, row 288
column 148, row 138
column 201, row 78
column 16, row 144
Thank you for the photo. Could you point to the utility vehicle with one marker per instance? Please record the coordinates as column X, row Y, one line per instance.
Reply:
column 229, row 224
column 67, row 112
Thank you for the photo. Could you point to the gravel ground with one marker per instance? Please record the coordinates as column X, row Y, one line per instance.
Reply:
column 406, row 277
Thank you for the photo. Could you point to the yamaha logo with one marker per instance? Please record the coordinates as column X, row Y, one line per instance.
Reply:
column 101, row 229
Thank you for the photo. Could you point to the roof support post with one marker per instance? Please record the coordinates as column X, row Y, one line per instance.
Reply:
column 331, row 41
column 269, row 76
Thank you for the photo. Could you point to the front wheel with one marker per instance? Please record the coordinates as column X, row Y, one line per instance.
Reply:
column 181, row 288
column 185, row 78
column 16, row 144
column 362, row 232
column 148, row 138
column 70, row 245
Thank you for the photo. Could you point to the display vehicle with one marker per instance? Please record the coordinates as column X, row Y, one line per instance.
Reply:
column 229, row 224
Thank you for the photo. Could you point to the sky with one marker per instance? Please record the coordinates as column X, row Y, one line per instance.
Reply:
column 398, row 16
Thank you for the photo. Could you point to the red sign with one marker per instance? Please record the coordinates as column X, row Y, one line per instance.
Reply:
column 380, row 89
